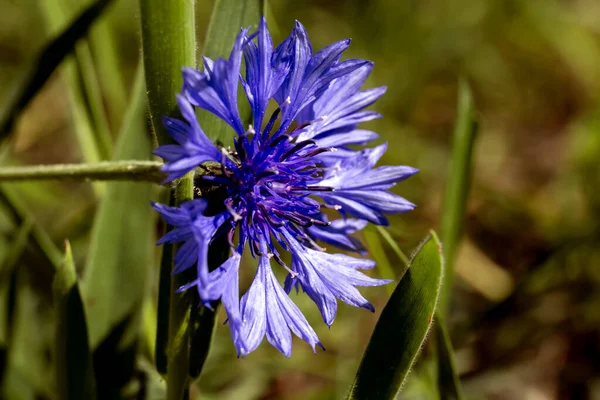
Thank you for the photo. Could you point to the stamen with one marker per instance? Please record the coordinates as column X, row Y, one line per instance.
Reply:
column 320, row 150
column 279, row 139
column 312, row 188
column 297, row 147
column 320, row 223
column 266, row 173
column 223, row 167
column 271, row 122
column 336, row 207
column 241, row 150
column 230, row 238
column 235, row 215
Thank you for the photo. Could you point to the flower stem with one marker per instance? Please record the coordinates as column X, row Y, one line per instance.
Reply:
column 131, row 170
column 169, row 43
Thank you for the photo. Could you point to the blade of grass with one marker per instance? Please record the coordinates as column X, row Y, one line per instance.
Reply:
column 82, row 122
column 457, row 188
column 392, row 243
column 104, row 50
column 93, row 95
column 74, row 368
column 121, row 240
column 9, row 275
column 377, row 252
column 39, row 238
column 448, row 381
column 402, row 327
column 50, row 57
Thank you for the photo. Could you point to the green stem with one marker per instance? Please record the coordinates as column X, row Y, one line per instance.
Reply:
column 457, row 189
column 169, row 43
column 131, row 170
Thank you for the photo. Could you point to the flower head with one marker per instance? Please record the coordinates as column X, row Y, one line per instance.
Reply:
column 284, row 171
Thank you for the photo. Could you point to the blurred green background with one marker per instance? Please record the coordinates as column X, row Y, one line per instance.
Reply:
column 525, row 316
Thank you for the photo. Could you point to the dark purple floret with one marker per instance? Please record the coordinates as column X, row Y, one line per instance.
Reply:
column 280, row 181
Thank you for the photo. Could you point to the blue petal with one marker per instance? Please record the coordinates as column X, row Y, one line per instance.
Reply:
column 338, row 233
column 215, row 89
column 267, row 309
column 325, row 277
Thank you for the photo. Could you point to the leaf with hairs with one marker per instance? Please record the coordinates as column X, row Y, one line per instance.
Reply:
column 402, row 327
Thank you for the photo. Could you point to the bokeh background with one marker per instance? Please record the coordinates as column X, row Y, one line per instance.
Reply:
column 525, row 317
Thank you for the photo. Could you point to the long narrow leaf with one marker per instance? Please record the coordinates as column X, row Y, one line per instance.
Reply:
column 121, row 244
column 457, row 189
column 50, row 57
column 74, row 370
column 448, row 382
column 403, row 326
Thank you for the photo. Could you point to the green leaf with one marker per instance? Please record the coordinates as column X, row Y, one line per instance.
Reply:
column 457, row 189
column 120, row 252
column 74, row 368
column 403, row 326
column 448, row 382
column 377, row 252
column 50, row 57
column 227, row 18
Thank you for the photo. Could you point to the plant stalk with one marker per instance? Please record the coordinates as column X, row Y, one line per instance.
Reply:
column 169, row 44
column 130, row 170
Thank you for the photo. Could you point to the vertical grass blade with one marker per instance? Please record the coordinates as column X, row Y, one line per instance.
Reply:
column 403, row 326
column 448, row 383
column 121, row 243
column 457, row 187
column 377, row 252
column 104, row 50
column 74, row 369
column 50, row 57
column 169, row 44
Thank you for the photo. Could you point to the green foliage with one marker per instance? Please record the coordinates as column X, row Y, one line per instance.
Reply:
column 402, row 327
column 121, row 243
column 448, row 382
column 74, row 370
column 458, row 184
column 49, row 59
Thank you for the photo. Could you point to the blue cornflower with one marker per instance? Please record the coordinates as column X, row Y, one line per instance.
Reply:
column 283, row 172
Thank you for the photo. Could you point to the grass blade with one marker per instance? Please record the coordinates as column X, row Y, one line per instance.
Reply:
column 50, row 57
column 403, row 326
column 448, row 382
column 74, row 369
column 457, row 189
column 121, row 242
